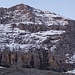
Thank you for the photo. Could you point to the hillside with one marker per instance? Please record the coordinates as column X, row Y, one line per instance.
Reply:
column 33, row 38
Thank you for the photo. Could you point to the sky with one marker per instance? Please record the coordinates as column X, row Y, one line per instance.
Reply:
column 64, row 8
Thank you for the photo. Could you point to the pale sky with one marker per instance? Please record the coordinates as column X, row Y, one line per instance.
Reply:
column 65, row 8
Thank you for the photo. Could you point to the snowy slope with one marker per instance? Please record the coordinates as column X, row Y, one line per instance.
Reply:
column 9, row 35
column 28, row 16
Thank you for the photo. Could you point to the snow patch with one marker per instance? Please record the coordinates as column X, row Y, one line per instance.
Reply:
column 52, row 48
column 54, row 41
column 71, row 71
column 51, row 32
column 2, row 67
column 70, row 59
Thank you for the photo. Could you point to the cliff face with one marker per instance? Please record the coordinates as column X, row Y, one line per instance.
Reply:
column 34, row 38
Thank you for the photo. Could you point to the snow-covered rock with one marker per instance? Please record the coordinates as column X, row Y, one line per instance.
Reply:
column 34, row 38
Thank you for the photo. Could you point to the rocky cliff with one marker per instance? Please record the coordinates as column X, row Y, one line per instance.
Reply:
column 34, row 38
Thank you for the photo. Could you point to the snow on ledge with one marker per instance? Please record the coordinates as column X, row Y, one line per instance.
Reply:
column 2, row 67
column 52, row 32
column 71, row 71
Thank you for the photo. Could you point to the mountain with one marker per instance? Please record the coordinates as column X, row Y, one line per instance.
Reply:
column 33, row 38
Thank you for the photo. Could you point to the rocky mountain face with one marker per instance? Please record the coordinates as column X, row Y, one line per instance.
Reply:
column 34, row 38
